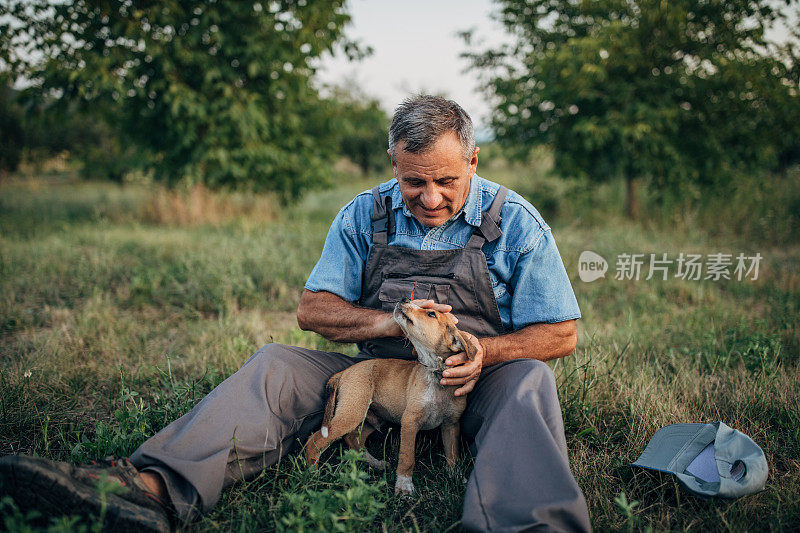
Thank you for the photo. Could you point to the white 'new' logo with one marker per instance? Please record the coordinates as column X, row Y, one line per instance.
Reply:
column 591, row 266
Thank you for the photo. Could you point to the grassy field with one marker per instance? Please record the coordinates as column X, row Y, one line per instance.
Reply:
column 120, row 307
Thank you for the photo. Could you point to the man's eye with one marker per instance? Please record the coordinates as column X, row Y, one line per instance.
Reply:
column 432, row 314
column 446, row 181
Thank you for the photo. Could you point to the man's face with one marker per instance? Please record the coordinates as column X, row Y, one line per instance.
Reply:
column 434, row 184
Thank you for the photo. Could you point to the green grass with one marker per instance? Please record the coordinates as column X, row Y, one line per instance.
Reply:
column 116, row 317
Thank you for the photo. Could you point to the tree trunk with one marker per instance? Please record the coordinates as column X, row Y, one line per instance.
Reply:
column 631, row 203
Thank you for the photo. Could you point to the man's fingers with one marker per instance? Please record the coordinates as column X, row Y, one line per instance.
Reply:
column 458, row 359
column 460, row 380
column 473, row 339
column 467, row 388
column 430, row 304
column 460, row 371
column 442, row 308
column 459, row 374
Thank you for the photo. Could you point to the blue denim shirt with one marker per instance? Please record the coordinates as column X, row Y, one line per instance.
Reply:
column 528, row 276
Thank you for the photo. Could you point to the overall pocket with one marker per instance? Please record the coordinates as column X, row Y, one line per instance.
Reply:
column 394, row 289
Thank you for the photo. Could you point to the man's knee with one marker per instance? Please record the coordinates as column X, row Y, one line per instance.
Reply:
column 531, row 374
column 531, row 385
column 293, row 379
column 274, row 362
column 520, row 383
column 519, row 396
column 268, row 353
column 273, row 355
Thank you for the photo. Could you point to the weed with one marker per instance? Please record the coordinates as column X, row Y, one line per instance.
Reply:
column 114, row 323
column 351, row 502
column 627, row 509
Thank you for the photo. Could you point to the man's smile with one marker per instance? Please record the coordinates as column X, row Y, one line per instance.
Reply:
column 432, row 212
column 435, row 183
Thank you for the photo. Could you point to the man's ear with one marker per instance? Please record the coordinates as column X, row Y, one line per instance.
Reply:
column 459, row 343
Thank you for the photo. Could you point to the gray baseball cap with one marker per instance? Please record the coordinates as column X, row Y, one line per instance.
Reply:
column 708, row 459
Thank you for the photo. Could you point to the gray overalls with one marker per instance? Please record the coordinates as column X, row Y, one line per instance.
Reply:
column 459, row 277
column 521, row 479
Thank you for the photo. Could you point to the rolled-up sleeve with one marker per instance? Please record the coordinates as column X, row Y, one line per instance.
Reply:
column 341, row 265
column 542, row 291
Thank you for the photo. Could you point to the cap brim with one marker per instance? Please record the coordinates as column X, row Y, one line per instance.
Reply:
column 668, row 443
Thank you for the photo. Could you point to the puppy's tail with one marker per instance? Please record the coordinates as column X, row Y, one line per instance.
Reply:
column 331, row 388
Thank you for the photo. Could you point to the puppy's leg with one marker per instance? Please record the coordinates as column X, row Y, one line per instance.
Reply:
column 409, row 425
column 356, row 439
column 450, row 434
column 351, row 408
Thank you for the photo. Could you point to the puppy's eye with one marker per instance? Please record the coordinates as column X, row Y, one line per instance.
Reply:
column 432, row 314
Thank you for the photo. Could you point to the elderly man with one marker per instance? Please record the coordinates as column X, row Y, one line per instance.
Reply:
column 462, row 244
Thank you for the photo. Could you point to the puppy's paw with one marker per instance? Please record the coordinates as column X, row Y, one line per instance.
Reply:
column 404, row 486
column 377, row 464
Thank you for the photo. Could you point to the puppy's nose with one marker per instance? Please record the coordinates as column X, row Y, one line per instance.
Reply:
column 405, row 301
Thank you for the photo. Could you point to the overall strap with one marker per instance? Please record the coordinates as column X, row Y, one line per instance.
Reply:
column 381, row 217
column 489, row 229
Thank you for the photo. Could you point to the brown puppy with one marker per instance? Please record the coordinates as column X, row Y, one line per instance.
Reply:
column 400, row 391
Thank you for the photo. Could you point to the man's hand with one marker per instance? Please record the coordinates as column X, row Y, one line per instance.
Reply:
column 462, row 371
column 430, row 304
column 342, row 321
column 391, row 327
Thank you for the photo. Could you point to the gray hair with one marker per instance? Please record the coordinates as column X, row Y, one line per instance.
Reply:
column 422, row 119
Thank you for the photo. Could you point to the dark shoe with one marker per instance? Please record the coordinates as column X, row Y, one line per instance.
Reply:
column 55, row 489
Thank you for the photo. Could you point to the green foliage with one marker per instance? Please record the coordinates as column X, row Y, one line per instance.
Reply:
column 362, row 128
column 11, row 132
column 215, row 93
column 136, row 419
column 627, row 510
column 352, row 504
column 85, row 368
column 52, row 127
column 15, row 521
column 681, row 92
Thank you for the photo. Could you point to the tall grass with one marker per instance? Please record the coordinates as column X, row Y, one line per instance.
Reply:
column 115, row 320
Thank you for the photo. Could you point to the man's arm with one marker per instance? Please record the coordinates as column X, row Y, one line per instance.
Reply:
column 338, row 320
column 537, row 341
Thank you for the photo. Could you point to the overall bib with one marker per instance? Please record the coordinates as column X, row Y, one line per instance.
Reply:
column 459, row 278
column 521, row 480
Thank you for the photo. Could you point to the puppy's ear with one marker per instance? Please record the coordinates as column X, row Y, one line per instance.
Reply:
column 459, row 343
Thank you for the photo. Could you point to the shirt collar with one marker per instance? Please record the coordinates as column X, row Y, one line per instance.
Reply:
column 472, row 209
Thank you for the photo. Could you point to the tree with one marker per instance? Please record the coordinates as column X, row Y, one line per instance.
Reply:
column 212, row 92
column 683, row 91
column 362, row 127
column 11, row 132
column 51, row 127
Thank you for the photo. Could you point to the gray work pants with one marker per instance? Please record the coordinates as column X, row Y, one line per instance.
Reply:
column 521, row 480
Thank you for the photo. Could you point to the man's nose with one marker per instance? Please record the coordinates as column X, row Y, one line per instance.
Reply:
column 431, row 197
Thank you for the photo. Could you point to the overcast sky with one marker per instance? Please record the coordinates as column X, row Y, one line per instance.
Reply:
column 416, row 48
